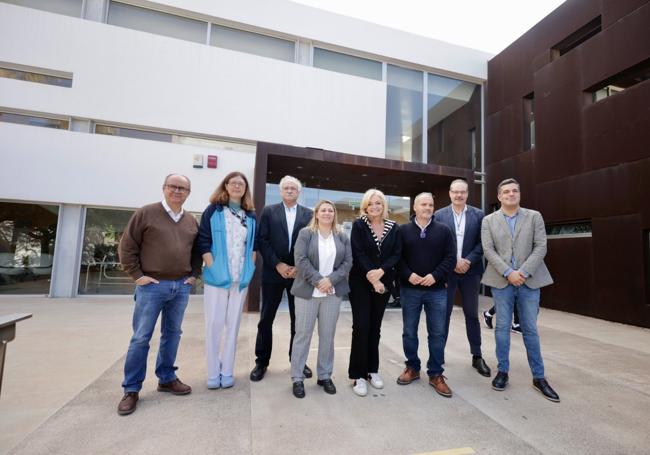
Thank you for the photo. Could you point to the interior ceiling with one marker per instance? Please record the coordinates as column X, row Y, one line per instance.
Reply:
column 353, row 177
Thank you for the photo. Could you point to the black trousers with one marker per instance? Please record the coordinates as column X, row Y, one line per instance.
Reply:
column 468, row 285
column 271, row 298
column 367, row 313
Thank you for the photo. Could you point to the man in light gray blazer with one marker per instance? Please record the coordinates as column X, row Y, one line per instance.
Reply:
column 514, row 244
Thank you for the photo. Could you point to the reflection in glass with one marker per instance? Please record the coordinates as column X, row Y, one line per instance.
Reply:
column 34, row 121
column 132, row 133
column 27, row 76
column 404, row 114
column 252, row 43
column 27, row 235
column 157, row 22
column 453, row 120
column 101, row 272
column 347, row 203
column 67, row 7
column 348, row 64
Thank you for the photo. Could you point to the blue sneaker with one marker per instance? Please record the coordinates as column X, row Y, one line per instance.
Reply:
column 227, row 381
column 214, row 383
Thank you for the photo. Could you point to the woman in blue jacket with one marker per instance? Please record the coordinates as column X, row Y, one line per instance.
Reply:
column 226, row 241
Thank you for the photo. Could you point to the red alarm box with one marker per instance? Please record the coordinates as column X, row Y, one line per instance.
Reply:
column 212, row 161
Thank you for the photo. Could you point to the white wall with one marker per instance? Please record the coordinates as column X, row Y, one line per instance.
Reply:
column 322, row 26
column 137, row 78
column 48, row 165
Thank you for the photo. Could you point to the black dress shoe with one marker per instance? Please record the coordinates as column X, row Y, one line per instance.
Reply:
column 327, row 385
column 307, row 372
column 257, row 374
column 499, row 382
column 299, row 389
column 542, row 387
column 481, row 366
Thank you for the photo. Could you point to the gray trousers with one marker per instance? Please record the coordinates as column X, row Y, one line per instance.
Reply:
column 326, row 310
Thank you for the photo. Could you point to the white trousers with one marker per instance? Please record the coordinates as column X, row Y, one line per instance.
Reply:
column 223, row 308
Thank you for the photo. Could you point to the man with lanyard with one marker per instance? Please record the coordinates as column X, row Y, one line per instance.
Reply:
column 465, row 222
column 514, row 244
column 277, row 232
column 428, row 255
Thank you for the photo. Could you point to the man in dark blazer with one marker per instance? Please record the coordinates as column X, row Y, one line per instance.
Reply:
column 277, row 232
column 465, row 223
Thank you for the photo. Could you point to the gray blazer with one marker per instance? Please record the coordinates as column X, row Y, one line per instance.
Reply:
column 528, row 246
column 306, row 260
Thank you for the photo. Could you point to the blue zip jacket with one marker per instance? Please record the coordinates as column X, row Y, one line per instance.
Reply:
column 212, row 239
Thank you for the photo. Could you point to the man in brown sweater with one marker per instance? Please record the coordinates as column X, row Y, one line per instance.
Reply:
column 157, row 251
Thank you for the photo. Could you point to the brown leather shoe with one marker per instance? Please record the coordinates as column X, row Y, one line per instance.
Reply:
column 127, row 403
column 176, row 387
column 438, row 383
column 409, row 375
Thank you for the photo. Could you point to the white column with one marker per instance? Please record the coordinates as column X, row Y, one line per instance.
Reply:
column 67, row 251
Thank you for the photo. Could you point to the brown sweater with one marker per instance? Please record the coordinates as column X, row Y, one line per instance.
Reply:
column 154, row 245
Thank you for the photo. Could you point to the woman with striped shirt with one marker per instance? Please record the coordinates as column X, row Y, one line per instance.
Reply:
column 376, row 250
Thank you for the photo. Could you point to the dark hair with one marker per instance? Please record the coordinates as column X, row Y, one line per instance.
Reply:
column 221, row 196
column 507, row 182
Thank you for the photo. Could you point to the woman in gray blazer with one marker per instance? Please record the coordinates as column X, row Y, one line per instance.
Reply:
column 323, row 258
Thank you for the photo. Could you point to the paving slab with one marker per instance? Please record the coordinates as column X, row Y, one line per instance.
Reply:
column 601, row 371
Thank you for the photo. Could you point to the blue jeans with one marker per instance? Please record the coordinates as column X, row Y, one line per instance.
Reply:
column 169, row 297
column 527, row 300
column 435, row 310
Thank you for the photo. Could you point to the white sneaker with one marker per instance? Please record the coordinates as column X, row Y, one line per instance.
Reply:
column 376, row 381
column 360, row 387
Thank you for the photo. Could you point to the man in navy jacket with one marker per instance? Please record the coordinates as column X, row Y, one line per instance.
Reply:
column 465, row 223
column 277, row 232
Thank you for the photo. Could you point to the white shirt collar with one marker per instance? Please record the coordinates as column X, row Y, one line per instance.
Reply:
column 290, row 209
column 459, row 214
column 175, row 216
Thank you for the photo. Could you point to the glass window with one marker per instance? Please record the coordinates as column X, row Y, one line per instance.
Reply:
column 347, row 203
column 567, row 230
column 529, row 122
column 453, row 110
column 34, row 121
column 404, row 114
column 133, row 133
column 67, row 7
column 101, row 272
column 646, row 253
column 27, row 235
column 157, row 22
column 348, row 64
column 10, row 73
column 252, row 43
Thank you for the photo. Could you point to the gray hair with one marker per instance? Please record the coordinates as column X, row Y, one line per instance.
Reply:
column 189, row 183
column 290, row 179
column 459, row 181
column 421, row 195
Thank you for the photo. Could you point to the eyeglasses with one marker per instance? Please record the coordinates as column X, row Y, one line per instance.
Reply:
column 178, row 189
column 239, row 184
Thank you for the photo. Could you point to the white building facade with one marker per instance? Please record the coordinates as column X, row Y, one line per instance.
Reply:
column 100, row 100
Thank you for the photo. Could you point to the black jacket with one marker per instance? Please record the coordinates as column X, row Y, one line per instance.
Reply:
column 366, row 256
column 273, row 239
column 434, row 254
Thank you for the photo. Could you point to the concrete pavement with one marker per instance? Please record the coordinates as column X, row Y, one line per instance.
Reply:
column 63, row 372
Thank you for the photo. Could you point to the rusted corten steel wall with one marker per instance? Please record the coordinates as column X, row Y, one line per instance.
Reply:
column 591, row 160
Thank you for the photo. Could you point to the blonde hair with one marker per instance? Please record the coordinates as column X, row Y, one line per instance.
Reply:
column 313, row 223
column 365, row 202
